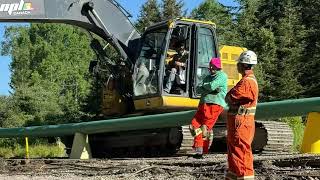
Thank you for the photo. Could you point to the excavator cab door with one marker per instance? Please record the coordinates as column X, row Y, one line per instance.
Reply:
column 147, row 65
column 205, row 48
column 152, row 65
column 176, row 68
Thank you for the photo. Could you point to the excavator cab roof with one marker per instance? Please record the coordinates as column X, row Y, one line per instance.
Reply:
column 172, row 22
column 197, row 21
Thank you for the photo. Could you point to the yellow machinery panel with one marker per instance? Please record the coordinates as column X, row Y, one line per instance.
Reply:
column 166, row 102
column 112, row 102
column 229, row 56
column 311, row 139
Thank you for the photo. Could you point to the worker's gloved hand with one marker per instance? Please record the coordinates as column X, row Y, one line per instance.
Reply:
column 228, row 100
column 216, row 91
column 205, row 132
column 199, row 89
column 238, row 122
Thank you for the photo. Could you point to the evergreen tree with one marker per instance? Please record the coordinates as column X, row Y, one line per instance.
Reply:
column 149, row 14
column 274, row 30
column 290, row 44
column 152, row 12
column 259, row 39
column 282, row 19
column 221, row 15
column 310, row 63
column 172, row 9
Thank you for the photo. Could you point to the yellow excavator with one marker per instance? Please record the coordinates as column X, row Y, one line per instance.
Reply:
column 137, row 83
column 150, row 79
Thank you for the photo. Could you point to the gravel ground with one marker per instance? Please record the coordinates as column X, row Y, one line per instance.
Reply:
column 174, row 168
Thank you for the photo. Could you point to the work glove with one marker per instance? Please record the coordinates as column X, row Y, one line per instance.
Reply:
column 228, row 100
column 199, row 89
column 205, row 133
column 216, row 91
column 238, row 122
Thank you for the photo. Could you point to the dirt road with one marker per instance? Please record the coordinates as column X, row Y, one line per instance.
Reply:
column 173, row 168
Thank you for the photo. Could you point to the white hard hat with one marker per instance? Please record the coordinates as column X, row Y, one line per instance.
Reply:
column 248, row 57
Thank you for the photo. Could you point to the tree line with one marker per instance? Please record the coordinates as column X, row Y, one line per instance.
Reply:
column 51, row 83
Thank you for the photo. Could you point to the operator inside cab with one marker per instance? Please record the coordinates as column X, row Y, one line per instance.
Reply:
column 176, row 66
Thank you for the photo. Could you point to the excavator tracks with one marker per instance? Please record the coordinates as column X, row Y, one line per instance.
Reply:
column 272, row 137
column 187, row 141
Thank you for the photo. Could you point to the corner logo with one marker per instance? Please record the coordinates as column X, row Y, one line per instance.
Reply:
column 21, row 8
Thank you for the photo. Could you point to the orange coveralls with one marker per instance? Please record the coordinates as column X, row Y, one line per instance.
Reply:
column 241, row 127
column 207, row 114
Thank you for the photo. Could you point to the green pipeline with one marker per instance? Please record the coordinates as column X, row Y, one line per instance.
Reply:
column 270, row 110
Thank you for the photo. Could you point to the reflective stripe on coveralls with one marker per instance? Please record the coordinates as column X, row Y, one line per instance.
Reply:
column 243, row 111
column 210, row 138
column 195, row 132
column 241, row 127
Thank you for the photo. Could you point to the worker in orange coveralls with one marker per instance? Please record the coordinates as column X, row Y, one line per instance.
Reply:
column 213, row 90
column 242, row 101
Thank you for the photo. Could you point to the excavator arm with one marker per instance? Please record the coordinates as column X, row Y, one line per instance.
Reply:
column 106, row 18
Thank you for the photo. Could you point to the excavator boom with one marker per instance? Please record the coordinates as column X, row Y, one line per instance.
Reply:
column 105, row 18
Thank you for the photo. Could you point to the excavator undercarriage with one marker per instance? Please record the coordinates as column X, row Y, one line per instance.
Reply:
column 271, row 137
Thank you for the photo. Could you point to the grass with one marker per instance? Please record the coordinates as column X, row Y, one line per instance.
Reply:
column 35, row 151
column 298, row 127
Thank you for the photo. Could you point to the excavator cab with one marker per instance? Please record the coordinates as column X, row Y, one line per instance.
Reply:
column 172, row 62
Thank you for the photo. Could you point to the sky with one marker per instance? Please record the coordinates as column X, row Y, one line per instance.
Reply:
column 132, row 6
column 4, row 67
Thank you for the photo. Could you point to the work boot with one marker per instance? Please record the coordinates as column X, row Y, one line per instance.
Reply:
column 198, row 156
column 199, row 152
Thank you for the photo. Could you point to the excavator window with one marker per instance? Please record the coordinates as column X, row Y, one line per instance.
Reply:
column 206, row 49
column 147, row 64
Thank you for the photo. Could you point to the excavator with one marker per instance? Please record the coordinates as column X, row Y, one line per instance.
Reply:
column 135, row 83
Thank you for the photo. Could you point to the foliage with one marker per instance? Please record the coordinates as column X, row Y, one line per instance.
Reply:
column 214, row 11
column 152, row 12
column 35, row 151
column 298, row 131
column 38, row 148
column 310, row 61
column 50, row 78
column 171, row 9
column 149, row 14
column 275, row 30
